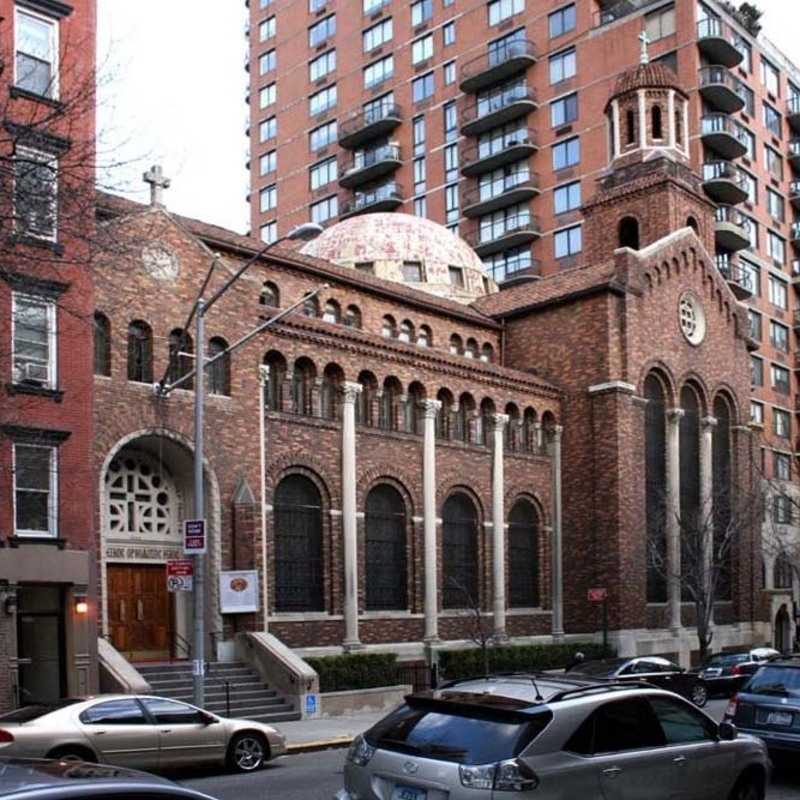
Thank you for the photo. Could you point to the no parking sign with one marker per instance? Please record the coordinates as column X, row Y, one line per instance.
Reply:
column 180, row 575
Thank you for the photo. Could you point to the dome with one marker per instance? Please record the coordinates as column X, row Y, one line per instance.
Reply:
column 647, row 76
column 407, row 249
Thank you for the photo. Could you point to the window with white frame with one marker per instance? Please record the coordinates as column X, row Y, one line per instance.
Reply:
column 378, row 72
column 267, row 62
column 563, row 65
column 268, row 162
column 421, row 11
column 449, row 70
column 776, row 205
column 756, row 413
column 781, row 423
column 268, row 198
column 36, row 56
column 35, row 490
column 323, row 173
column 779, row 336
column 268, row 95
column 34, row 340
column 743, row 46
column 780, row 379
column 449, row 33
column 422, row 49
column 749, row 97
column 776, row 247
column 773, row 121
column 321, row 31
column 325, row 209
column 782, row 466
column 267, row 29
column 770, row 77
column 36, row 193
column 778, row 292
column 268, row 129
column 269, row 232
column 321, row 101
column 503, row 9
column 377, row 35
column 321, row 66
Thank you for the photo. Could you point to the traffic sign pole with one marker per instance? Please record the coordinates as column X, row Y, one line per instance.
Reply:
column 198, row 643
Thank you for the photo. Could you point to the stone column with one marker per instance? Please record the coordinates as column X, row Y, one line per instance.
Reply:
column 350, row 392
column 617, row 144
column 707, row 425
column 673, row 133
column 557, row 557
column 673, row 514
column 499, row 421
column 642, row 120
column 430, row 408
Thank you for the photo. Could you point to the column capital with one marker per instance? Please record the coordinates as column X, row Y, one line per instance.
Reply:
column 708, row 422
column 350, row 391
column 430, row 408
column 557, row 431
column 499, row 421
column 675, row 415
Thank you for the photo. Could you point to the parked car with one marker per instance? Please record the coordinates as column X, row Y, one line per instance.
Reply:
column 768, row 706
column 35, row 779
column 653, row 669
column 726, row 673
column 137, row 731
column 552, row 737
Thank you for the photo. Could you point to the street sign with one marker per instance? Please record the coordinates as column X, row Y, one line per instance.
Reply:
column 194, row 537
column 180, row 575
column 597, row 595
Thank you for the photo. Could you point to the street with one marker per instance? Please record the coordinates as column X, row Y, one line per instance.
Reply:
column 316, row 776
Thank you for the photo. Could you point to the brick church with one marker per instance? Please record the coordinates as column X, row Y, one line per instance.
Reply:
column 421, row 443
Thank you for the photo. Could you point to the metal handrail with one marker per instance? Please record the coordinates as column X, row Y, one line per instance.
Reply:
column 716, row 74
column 387, row 152
column 727, row 170
column 795, row 230
column 389, row 191
column 498, row 99
column 714, row 28
column 498, row 188
column 496, row 55
column 794, row 147
column 793, row 105
column 474, row 152
column 724, row 213
column 225, row 684
column 364, row 117
column 720, row 123
column 514, row 224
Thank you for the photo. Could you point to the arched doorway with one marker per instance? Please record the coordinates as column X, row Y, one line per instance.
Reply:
column 783, row 630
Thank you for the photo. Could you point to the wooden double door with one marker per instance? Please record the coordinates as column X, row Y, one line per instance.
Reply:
column 141, row 612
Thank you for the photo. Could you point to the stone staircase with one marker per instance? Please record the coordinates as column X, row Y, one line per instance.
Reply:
column 250, row 697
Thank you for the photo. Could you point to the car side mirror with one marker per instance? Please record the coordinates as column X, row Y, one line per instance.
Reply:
column 727, row 731
column 208, row 719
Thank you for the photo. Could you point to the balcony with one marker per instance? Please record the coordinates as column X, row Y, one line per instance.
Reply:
column 795, row 265
column 369, row 124
column 500, row 193
column 796, row 324
column 716, row 41
column 719, row 88
column 793, row 112
column 738, row 279
column 793, row 152
column 794, row 235
column 723, row 182
column 496, row 64
column 731, row 229
column 612, row 10
column 382, row 198
column 477, row 158
column 498, row 107
column 368, row 165
column 505, row 234
column 722, row 134
column 528, row 274
column 794, row 194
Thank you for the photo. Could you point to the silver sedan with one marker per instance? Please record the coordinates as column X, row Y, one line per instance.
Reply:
column 142, row 732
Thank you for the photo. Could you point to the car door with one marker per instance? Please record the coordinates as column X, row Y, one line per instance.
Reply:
column 705, row 762
column 185, row 736
column 120, row 733
column 655, row 673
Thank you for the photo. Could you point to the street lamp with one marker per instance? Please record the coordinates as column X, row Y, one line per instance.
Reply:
column 201, row 307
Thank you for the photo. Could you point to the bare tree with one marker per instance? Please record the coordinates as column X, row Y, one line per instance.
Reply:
column 479, row 634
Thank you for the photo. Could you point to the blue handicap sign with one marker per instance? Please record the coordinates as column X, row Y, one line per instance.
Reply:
column 311, row 704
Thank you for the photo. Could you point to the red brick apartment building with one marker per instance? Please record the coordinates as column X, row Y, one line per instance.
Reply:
column 48, row 640
column 491, row 118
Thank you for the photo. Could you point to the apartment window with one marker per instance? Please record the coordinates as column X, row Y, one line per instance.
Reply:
column 420, row 206
column 567, row 153
column 770, row 77
column 502, row 265
column 756, row 412
column 750, row 185
column 503, row 9
column 781, row 423
column 316, row 5
column 35, row 490
column 660, row 23
column 268, row 198
column 751, row 228
column 269, row 232
column 268, row 163
column 449, row 70
column 34, row 340
column 794, row 98
column 782, row 465
column 754, row 324
column 449, row 33
column 36, row 59
column 563, row 65
column 743, row 46
column 568, row 242
column 418, row 135
column 326, row 209
column 321, row 31
column 446, row 3
column 776, row 205
column 773, row 162
column 456, row 276
column 779, row 336
column 421, row 11
column 35, row 193
column 267, row 62
column 451, row 163
column 778, row 292
column 494, row 226
column 419, row 175
column 422, row 49
column 498, row 181
column 321, row 66
column 772, row 120
column 776, row 247
column 451, row 204
column 268, row 129
column 747, row 94
column 267, row 29
column 322, row 136
column 450, row 116
column 753, row 275
column 567, row 197
column 756, row 371
column 564, row 110
column 377, row 35
column 371, row 6
column 379, row 71
column 748, row 139
column 268, row 95
column 422, row 87
column 562, row 21
column 781, row 510
column 322, row 101
column 412, row 272
column 780, row 379
column 323, row 173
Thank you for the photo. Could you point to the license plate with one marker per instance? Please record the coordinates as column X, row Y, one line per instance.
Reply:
column 408, row 793
column 779, row 718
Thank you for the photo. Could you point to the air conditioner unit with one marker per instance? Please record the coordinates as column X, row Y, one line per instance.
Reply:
column 35, row 373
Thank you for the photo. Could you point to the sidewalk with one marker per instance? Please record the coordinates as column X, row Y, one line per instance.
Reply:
column 318, row 734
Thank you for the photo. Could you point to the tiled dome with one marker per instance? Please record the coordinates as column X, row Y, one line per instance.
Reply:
column 646, row 76
column 388, row 241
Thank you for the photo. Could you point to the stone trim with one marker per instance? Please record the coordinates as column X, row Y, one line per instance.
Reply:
column 32, row 137
column 19, row 433
column 50, row 8
column 612, row 386
column 30, row 285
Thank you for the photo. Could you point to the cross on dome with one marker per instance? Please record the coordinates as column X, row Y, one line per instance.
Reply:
column 158, row 182
column 645, row 40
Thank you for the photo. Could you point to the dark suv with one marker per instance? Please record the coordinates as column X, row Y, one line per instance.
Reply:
column 768, row 706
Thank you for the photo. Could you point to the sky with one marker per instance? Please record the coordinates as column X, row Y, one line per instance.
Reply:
column 172, row 87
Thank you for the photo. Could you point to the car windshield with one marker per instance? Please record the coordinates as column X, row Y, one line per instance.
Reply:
column 728, row 660
column 29, row 713
column 779, row 681
column 464, row 737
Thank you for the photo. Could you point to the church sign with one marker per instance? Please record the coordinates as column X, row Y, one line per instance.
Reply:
column 238, row 592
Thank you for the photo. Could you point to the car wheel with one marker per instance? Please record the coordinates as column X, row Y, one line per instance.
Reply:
column 71, row 754
column 699, row 695
column 747, row 788
column 247, row 752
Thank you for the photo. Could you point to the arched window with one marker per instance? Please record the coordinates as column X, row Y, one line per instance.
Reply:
column 459, row 553
column 463, row 418
column 303, row 376
column 365, row 406
column 487, row 353
column 389, row 327
column 690, row 521
column 424, row 336
column 691, row 222
column 655, row 477
column 416, row 394
column 406, row 333
column 298, row 576
column 389, row 415
column 528, row 439
column 523, row 556
column 512, row 428
column 657, row 130
column 444, row 417
column 276, row 376
column 721, row 491
column 140, row 352
column 471, row 349
column 219, row 372
column 270, row 296
column 311, row 307
column 629, row 233
column 332, row 380
column 181, row 361
column 630, row 118
column 332, row 313
column 485, row 423
column 385, row 556
column 352, row 317
column 678, row 128
column 456, row 345
column 102, row 344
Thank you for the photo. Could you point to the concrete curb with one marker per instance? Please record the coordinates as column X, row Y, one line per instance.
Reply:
column 319, row 744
